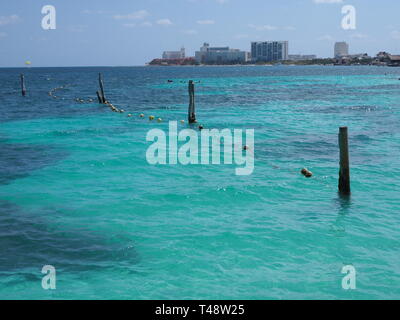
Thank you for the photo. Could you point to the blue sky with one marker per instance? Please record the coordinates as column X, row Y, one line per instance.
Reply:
column 132, row 32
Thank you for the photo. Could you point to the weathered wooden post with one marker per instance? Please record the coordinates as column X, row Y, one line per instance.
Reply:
column 99, row 97
column 344, row 173
column 102, row 96
column 192, row 111
column 23, row 88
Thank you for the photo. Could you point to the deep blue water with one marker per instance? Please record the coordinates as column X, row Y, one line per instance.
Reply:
column 76, row 191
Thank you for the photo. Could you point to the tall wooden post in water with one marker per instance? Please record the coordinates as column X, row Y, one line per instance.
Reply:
column 192, row 110
column 99, row 97
column 102, row 96
column 344, row 173
column 23, row 88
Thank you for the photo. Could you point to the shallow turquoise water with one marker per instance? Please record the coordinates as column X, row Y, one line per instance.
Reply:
column 76, row 191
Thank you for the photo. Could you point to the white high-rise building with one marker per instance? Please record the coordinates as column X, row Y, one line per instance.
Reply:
column 341, row 49
column 269, row 51
column 220, row 55
column 174, row 54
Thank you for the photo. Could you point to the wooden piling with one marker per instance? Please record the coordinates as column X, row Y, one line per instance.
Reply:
column 23, row 88
column 102, row 96
column 192, row 110
column 344, row 173
column 99, row 97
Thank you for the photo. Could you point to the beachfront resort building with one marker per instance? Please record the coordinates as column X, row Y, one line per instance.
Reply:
column 341, row 49
column 269, row 51
column 220, row 55
column 301, row 57
column 169, row 55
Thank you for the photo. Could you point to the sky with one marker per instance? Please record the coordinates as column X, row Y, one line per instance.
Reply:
column 133, row 32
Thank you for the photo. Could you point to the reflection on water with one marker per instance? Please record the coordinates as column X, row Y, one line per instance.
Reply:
column 344, row 203
column 19, row 160
column 27, row 242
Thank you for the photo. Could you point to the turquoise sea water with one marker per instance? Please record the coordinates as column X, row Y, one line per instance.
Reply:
column 76, row 191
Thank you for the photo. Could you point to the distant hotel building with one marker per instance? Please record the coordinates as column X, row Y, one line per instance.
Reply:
column 169, row 55
column 300, row 57
column 269, row 51
column 341, row 49
column 220, row 55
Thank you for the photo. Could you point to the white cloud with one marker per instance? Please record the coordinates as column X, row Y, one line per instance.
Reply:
column 142, row 24
column 205, row 21
column 164, row 22
column 358, row 36
column 189, row 32
column 129, row 25
column 326, row 37
column 268, row 27
column 4, row 20
column 138, row 15
column 263, row 27
column 328, row 1
column 93, row 12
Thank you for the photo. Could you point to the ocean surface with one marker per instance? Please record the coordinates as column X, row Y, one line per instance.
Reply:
column 77, row 193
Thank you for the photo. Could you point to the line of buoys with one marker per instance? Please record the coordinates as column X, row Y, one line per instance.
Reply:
column 152, row 118
column 129, row 115
column 79, row 100
column 52, row 91
column 112, row 107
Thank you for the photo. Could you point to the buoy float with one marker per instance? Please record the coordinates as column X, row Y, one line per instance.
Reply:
column 141, row 115
column 182, row 121
column 307, row 173
column 159, row 120
column 151, row 118
column 129, row 115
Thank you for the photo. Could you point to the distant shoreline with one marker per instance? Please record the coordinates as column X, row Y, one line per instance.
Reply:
column 201, row 66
